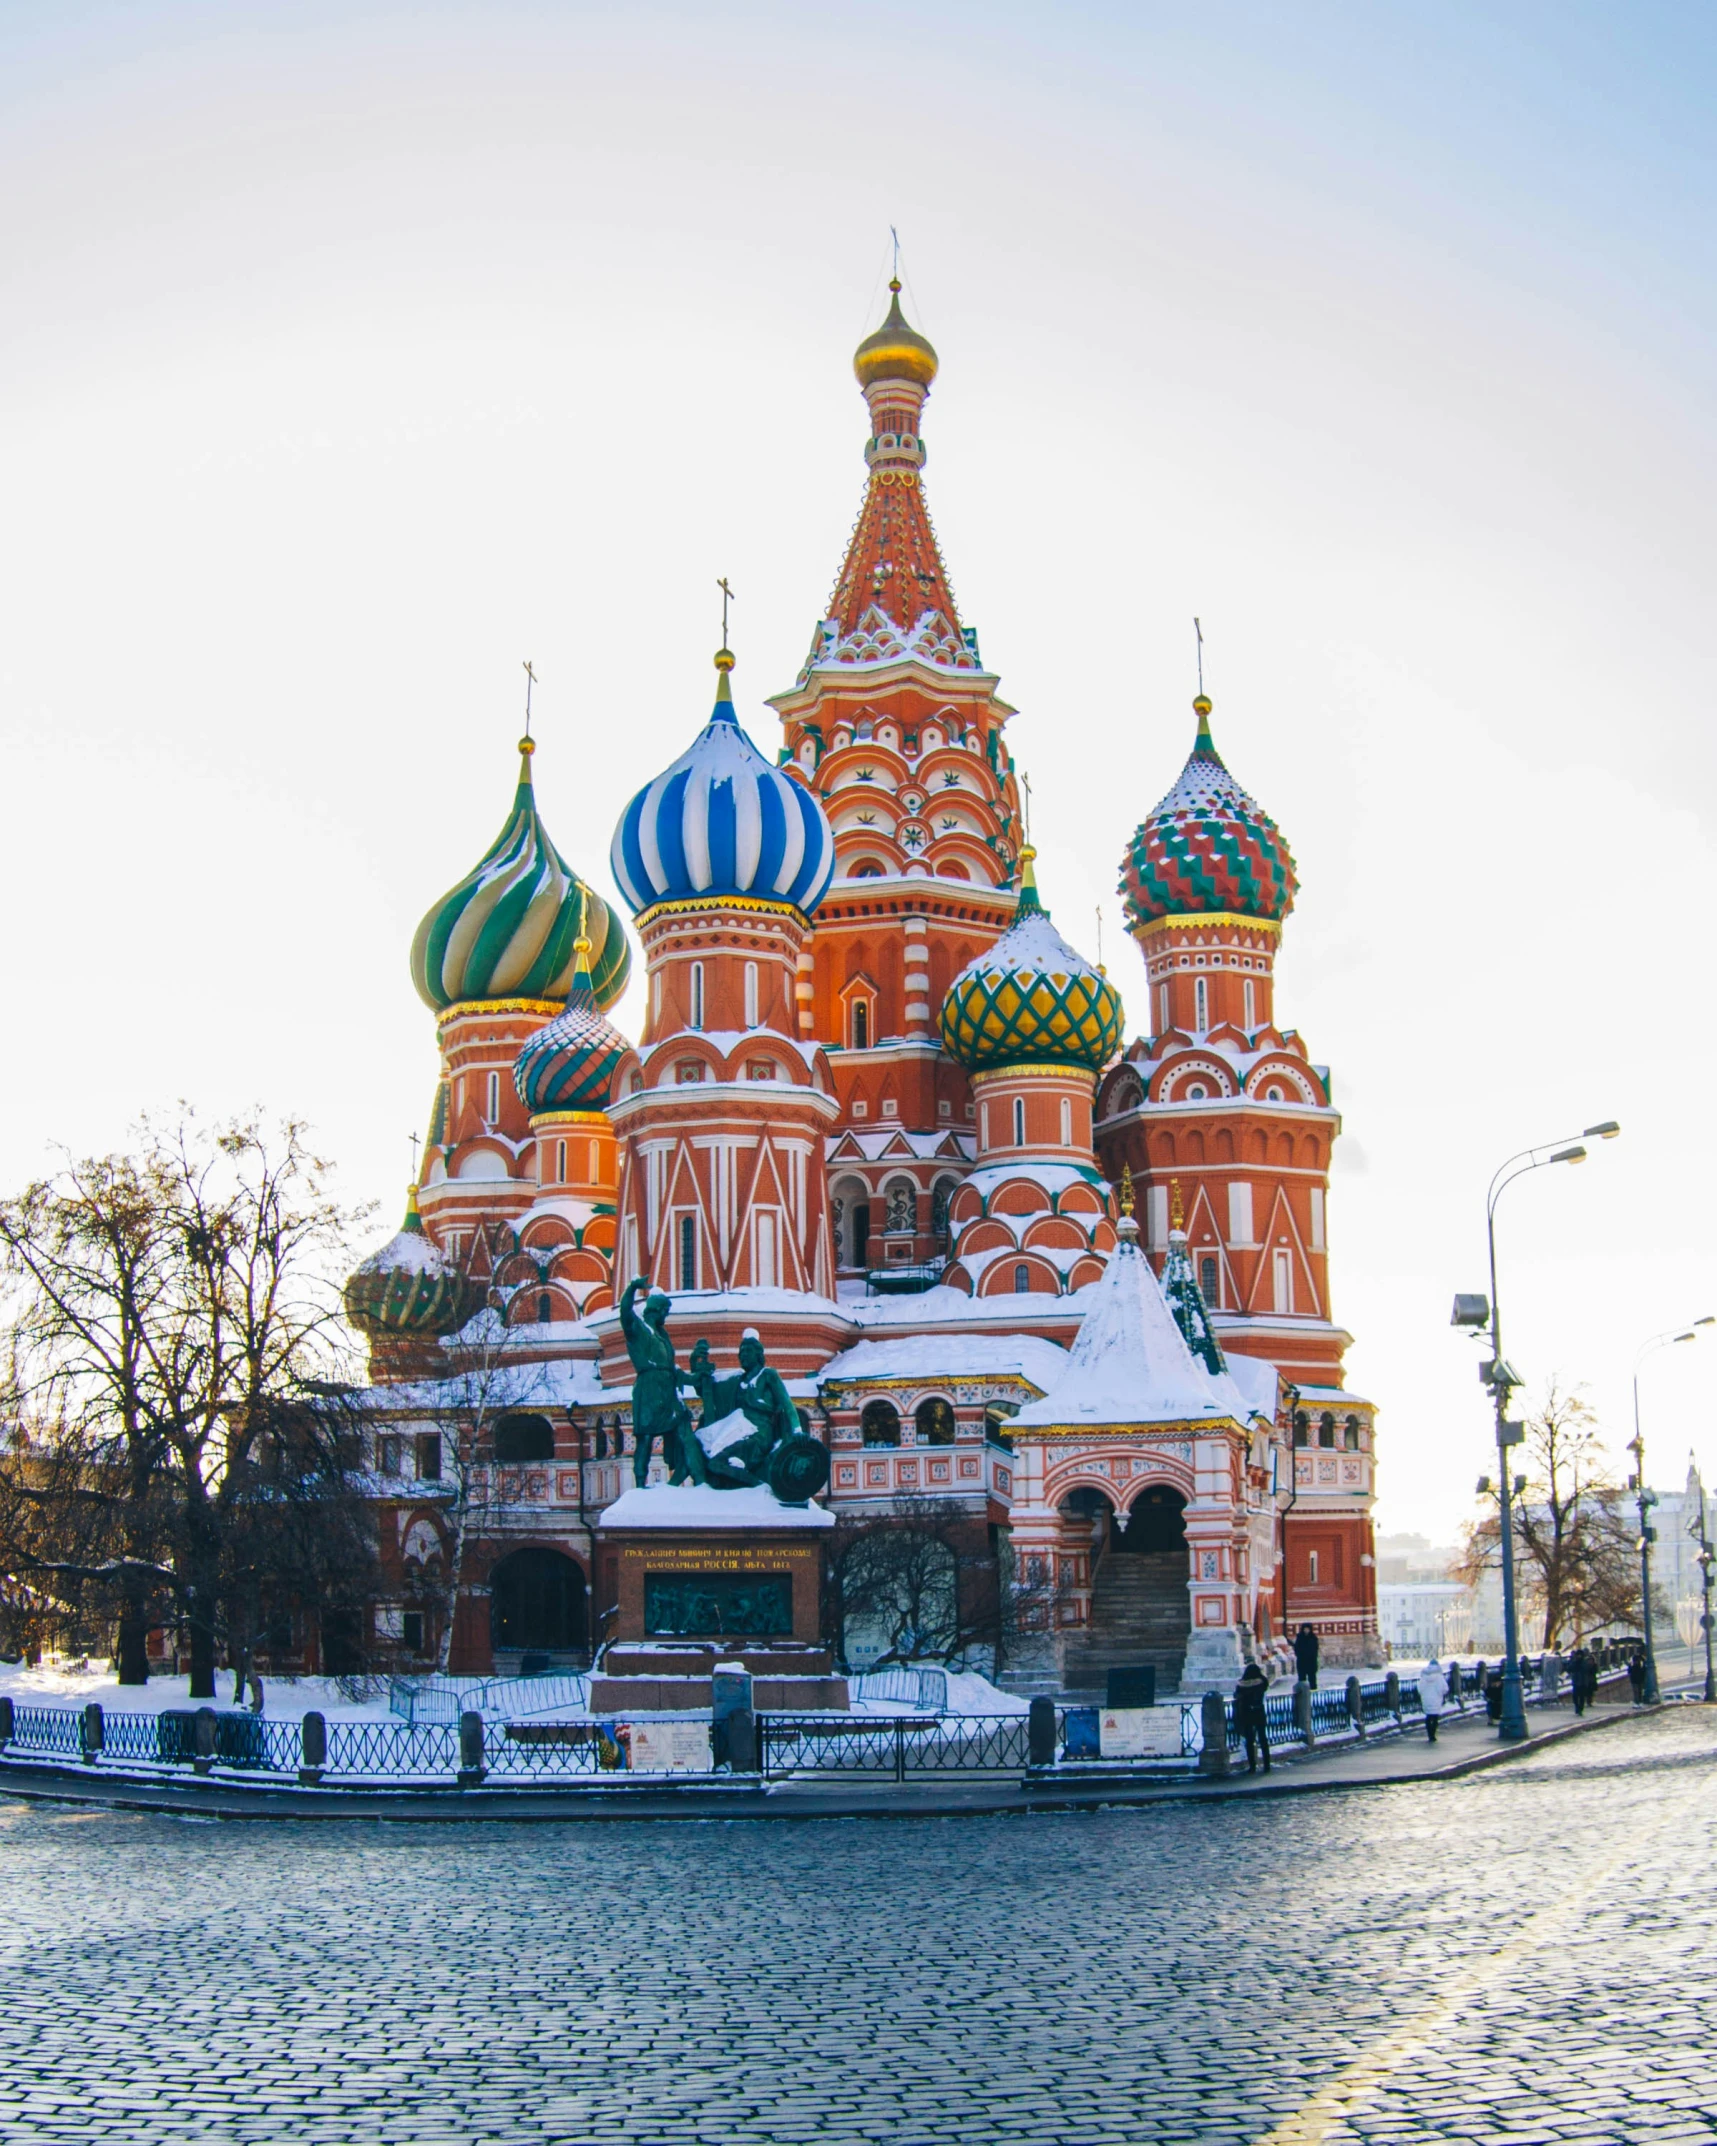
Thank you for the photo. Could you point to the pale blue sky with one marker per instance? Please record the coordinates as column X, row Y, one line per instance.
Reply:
column 353, row 355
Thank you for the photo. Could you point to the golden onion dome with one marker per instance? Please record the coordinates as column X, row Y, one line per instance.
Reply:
column 896, row 350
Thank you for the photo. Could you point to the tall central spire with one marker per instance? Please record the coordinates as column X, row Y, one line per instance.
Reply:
column 892, row 597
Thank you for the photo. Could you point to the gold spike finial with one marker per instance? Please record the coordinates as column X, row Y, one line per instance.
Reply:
column 1126, row 1188
column 1177, row 1213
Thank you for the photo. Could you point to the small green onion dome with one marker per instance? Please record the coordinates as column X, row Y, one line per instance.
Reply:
column 507, row 929
column 570, row 1063
column 1030, row 999
column 409, row 1287
column 1208, row 848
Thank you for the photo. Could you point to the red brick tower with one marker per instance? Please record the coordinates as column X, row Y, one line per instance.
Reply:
column 899, row 728
column 722, row 1110
column 1221, row 1114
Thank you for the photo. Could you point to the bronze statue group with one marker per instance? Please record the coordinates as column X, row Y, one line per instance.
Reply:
column 759, row 1439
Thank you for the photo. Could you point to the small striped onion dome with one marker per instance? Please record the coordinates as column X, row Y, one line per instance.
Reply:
column 569, row 1065
column 723, row 821
column 1208, row 848
column 507, row 929
column 1030, row 999
column 408, row 1287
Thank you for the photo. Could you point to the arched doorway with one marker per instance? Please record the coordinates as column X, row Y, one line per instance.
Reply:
column 1141, row 1608
column 538, row 1608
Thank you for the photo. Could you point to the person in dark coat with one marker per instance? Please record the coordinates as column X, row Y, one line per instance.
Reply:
column 1582, row 1678
column 1636, row 1674
column 1249, row 1716
column 1493, row 1692
column 1306, row 1655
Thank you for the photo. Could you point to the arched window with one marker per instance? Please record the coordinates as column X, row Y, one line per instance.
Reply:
column 494, row 1097
column 997, row 1418
column 1066, row 1123
column 1302, row 1428
column 1207, row 1280
column 1019, row 1121
column 880, row 1424
column 934, row 1422
column 1022, row 1280
column 545, row 1308
column 860, row 1020
column 560, row 1162
column 1326, row 1429
column 1249, row 992
column 751, row 994
column 599, row 1444
column 1200, row 1003
column 523, row 1437
column 697, row 994
column 939, row 1198
column 1350, row 1434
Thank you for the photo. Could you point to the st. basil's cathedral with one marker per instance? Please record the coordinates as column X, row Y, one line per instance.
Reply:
column 1069, row 1291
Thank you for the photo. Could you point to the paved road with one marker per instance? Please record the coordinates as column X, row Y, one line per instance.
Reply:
column 1522, row 1955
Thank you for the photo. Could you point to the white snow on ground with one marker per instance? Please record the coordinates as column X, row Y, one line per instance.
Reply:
column 285, row 1699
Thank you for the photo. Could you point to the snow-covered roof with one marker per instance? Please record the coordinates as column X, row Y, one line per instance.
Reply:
column 1322, row 1395
column 875, row 1140
column 952, row 1356
column 699, row 1505
column 1054, row 1177
column 947, row 1307
column 560, row 1382
column 1129, row 1363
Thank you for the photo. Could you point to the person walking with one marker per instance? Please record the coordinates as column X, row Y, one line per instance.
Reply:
column 1433, row 1690
column 1582, row 1678
column 1493, row 1693
column 1636, row 1674
column 1306, row 1655
column 1249, row 1715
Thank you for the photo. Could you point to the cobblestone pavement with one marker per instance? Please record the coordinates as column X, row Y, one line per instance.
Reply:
column 1524, row 1955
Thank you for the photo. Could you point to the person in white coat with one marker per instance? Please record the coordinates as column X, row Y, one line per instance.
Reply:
column 1433, row 1690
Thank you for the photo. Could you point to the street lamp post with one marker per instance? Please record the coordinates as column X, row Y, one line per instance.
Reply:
column 1502, row 1379
column 1647, row 1534
column 1705, row 1557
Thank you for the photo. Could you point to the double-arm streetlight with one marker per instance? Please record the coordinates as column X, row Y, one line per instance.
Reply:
column 1647, row 1498
column 1500, row 1376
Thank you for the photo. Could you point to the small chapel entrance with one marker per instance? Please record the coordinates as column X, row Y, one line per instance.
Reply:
column 537, row 1611
column 1141, row 1607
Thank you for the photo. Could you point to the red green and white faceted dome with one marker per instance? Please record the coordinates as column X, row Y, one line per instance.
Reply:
column 1208, row 848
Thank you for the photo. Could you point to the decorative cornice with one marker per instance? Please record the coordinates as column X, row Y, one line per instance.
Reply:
column 704, row 904
column 550, row 1118
column 987, row 1076
column 1199, row 919
column 1108, row 1433
column 538, row 1009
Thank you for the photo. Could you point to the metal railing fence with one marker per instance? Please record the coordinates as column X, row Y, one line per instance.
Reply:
column 854, row 1743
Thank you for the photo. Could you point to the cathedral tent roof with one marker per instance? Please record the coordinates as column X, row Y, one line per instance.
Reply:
column 1130, row 1363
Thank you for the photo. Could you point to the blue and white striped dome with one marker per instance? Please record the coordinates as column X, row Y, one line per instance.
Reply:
column 720, row 821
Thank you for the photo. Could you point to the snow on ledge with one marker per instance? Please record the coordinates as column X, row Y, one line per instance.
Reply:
column 697, row 1505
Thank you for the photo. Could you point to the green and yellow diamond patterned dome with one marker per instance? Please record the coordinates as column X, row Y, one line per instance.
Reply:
column 1030, row 999
column 509, row 928
column 408, row 1287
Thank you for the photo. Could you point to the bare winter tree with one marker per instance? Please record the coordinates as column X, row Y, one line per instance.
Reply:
column 172, row 1355
column 1575, row 1546
column 923, row 1582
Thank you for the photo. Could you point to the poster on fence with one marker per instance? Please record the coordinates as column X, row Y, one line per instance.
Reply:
column 670, row 1747
column 1140, row 1732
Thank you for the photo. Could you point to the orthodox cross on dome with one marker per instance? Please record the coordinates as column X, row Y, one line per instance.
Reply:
column 1199, row 631
column 895, row 236
column 1025, row 804
column 727, row 597
column 413, row 1138
column 530, row 680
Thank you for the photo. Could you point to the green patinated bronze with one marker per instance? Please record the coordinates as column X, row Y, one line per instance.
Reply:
column 777, row 1452
column 657, row 1410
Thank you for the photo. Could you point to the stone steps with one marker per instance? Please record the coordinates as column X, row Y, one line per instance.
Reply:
column 1140, row 1613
